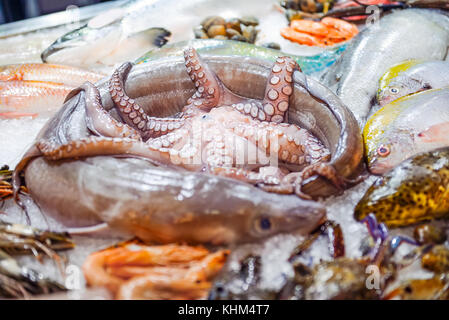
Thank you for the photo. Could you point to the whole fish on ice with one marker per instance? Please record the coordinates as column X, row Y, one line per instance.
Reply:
column 48, row 72
column 32, row 96
column 412, row 76
column 414, row 191
column 308, row 64
column 27, row 89
column 406, row 34
column 406, row 127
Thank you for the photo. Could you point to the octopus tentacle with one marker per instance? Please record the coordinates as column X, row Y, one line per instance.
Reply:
column 322, row 169
column 132, row 113
column 266, row 175
column 252, row 108
column 99, row 121
column 279, row 89
column 290, row 143
column 206, row 82
column 96, row 146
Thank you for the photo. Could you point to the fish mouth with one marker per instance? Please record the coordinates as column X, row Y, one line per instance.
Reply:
column 383, row 101
column 305, row 217
column 377, row 167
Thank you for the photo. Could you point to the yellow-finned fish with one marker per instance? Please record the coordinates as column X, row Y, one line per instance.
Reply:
column 408, row 126
column 416, row 190
column 412, row 76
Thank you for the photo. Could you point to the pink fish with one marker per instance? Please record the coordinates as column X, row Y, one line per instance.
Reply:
column 48, row 72
column 32, row 96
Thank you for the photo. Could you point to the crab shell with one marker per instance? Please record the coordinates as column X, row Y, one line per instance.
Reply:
column 162, row 88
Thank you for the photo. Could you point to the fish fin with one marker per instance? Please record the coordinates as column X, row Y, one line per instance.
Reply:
column 157, row 36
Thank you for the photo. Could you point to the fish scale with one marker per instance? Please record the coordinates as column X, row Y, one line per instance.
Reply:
column 416, row 190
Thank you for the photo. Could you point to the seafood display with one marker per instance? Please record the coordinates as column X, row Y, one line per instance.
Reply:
column 414, row 191
column 406, row 127
column 224, row 126
column 212, row 149
column 246, row 213
column 337, row 276
column 135, row 271
column 402, row 35
column 127, row 32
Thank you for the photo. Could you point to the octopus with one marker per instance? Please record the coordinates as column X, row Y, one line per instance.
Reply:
column 217, row 132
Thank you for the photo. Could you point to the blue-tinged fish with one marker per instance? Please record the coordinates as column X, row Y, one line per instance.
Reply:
column 308, row 64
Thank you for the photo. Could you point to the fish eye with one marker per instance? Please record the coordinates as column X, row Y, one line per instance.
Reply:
column 265, row 224
column 383, row 151
column 394, row 90
column 379, row 182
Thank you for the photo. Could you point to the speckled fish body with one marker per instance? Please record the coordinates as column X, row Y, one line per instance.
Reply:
column 32, row 96
column 406, row 127
column 49, row 73
column 416, row 190
column 309, row 64
column 412, row 76
column 406, row 34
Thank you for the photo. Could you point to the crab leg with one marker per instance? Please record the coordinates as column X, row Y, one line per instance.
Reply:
column 132, row 113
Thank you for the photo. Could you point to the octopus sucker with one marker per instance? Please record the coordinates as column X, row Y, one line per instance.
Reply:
column 131, row 113
column 190, row 182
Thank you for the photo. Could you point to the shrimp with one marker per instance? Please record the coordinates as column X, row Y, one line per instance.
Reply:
column 328, row 31
column 345, row 29
column 134, row 270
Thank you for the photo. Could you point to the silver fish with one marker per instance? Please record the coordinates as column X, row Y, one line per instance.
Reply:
column 110, row 44
column 406, row 34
